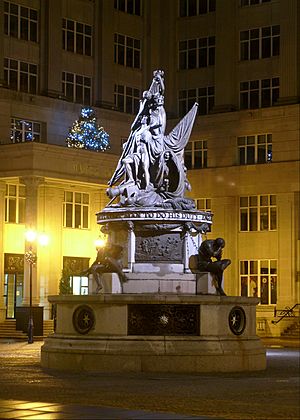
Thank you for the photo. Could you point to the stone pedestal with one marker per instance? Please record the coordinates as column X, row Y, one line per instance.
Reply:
column 176, row 283
column 158, row 246
column 164, row 318
column 205, row 284
column 159, row 279
column 154, row 333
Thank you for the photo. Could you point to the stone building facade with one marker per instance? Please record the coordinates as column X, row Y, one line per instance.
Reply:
column 239, row 59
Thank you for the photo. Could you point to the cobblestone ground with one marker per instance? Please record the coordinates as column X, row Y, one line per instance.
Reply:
column 272, row 394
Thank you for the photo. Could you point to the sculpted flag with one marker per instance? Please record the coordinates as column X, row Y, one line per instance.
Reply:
column 152, row 163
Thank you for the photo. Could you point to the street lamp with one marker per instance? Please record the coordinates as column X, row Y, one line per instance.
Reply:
column 31, row 257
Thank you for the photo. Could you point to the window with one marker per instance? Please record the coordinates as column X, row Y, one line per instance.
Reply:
column 20, row 75
column 77, row 37
column 77, row 88
column 73, row 267
column 203, row 204
column 206, row 99
column 127, row 51
column 259, row 93
column 260, row 43
column 255, row 149
column 258, row 213
column 79, row 285
column 76, row 210
column 258, row 278
column 195, row 154
column 24, row 130
column 126, row 99
column 20, row 22
column 197, row 53
column 129, row 6
column 205, row 96
column 253, row 2
column 15, row 197
column 196, row 7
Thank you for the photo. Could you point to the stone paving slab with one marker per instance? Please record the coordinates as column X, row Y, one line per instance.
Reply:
column 12, row 409
column 270, row 394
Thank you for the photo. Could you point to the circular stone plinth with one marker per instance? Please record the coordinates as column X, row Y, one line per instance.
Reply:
column 154, row 333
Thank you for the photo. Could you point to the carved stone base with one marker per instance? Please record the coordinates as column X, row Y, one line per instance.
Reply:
column 158, row 244
column 154, row 333
column 160, row 283
column 205, row 284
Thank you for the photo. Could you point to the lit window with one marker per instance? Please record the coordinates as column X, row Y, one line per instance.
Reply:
column 197, row 53
column 77, row 37
column 258, row 278
column 20, row 22
column 77, row 88
column 260, row 43
column 129, row 6
column 203, row 204
column 24, row 130
column 259, row 93
column 126, row 99
column 253, row 2
column 76, row 210
column 205, row 96
column 127, row 51
column 74, row 282
column 255, row 149
column 195, row 154
column 79, row 285
column 15, row 203
column 196, row 7
column 20, row 75
column 258, row 213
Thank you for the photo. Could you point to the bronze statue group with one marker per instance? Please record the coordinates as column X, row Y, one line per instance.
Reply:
column 209, row 259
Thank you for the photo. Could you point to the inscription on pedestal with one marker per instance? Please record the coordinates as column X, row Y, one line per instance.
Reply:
column 163, row 319
column 165, row 216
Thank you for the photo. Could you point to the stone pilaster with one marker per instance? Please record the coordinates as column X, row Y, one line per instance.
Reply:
column 2, row 212
column 1, row 43
column 32, row 184
column 51, row 51
column 225, row 80
column 289, row 53
column 104, row 81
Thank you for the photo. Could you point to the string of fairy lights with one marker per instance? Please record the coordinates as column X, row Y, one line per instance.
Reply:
column 85, row 133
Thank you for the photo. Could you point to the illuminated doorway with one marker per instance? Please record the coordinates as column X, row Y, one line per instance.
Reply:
column 13, row 292
column 13, row 283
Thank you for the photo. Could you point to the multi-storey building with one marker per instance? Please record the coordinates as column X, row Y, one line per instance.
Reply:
column 239, row 59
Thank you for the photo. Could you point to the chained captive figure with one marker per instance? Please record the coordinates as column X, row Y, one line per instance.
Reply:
column 108, row 260
column 210, row 259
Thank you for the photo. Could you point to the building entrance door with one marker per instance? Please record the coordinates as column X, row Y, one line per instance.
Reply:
column 13, row 282
column 13, row 292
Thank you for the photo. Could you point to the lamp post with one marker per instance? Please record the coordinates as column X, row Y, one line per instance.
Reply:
column 31, row 258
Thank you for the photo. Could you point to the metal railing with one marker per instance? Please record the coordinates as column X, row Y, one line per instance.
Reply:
column 285, row 313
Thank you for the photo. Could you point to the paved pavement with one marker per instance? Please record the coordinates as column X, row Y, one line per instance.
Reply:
column 29, row 392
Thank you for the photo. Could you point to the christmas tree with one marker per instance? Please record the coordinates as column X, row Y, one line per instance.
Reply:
column 87, row 134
